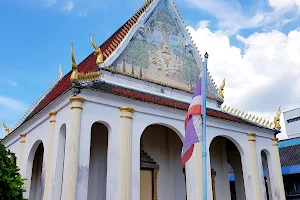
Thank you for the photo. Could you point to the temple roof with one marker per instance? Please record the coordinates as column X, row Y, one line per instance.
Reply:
column 111, row 47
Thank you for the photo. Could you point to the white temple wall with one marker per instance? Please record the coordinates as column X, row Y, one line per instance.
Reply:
column 218, row 161
column 104, row 108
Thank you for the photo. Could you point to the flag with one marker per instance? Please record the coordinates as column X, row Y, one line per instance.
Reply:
column 193, row 122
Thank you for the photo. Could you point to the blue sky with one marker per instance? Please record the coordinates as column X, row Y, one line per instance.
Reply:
column 35, row 36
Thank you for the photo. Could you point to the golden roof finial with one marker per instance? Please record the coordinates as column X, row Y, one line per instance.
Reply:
column 60, row 72
column 232, row 109
column 5, row 128
column 264, row 122
column 242, row 114
column 246, row 115
column 221, row 89
column 98, row 52
column 74, row 75
column 228, row 108
column 277, row 119
column 259, row 120
column 253, row 117
column 235, row 111
column 224, row 107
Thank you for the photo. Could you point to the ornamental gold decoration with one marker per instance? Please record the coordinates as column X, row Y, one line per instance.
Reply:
column 5, row 128
column 78, row 76
column 221, row 89
column 277, row 119
column 97, row 51
column 60, row 72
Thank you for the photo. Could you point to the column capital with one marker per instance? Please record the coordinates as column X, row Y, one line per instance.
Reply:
column 77, row 99
column 52, row 114
column 275, row 141
column 128, row 109
column 251, row 137
column 23, row 135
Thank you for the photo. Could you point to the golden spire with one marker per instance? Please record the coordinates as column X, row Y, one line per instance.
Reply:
column 60, row 72
column 277, row 119
column 98, row 52
column 5, row 128
column 221, row 89
column 74, row 75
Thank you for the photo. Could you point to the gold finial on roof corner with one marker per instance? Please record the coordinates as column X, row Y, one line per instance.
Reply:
column 221, row 89
column 242, row 114
column 277, row 119
column 98, row 52
column 253, row 117
column 5, row 128
column 260, row 119
column 224, row 107
column 60, row 72
column 74, row 75
column 264, row 122
column 232, row 109
column 238, row 113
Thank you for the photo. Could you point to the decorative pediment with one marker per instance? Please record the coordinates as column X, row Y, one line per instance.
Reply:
column 160, row 50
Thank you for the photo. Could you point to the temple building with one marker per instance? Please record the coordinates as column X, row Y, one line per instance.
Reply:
column 112, row 128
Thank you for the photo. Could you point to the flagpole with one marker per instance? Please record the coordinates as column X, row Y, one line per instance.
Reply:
column 204, row 153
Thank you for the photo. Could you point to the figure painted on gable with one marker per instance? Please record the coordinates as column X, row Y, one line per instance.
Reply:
column 161, row 52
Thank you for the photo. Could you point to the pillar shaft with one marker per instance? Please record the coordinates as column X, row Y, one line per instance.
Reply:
column 125, row 153
column 257, row 194
column 48, row 180
column 22, row 144
column 72, row 162
column 278, row 172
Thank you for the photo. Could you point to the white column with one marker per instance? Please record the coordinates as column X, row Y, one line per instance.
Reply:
column 278, row 172
column 254, row 166
column 22, row 144
column 125, row 153
column 49, row 156
column 74, row 137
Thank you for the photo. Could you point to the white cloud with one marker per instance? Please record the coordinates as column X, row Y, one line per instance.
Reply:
column 232, row 17
column 283, row 4
column 203, row 24
column 49, row 3
column 83, row 14
column 68, row 6
column 12, row 104
column 262, row 75
column 8, row 82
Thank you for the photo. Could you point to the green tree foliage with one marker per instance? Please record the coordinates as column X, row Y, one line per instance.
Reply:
column 11, row 181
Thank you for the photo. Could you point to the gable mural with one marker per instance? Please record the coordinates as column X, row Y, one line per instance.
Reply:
column 160, row 53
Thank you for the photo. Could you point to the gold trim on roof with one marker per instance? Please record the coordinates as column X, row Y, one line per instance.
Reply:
column 97, row 51
column 113, row 69
column 79, row 76
column 277, row 119
column 254, row 118
column 7, row 131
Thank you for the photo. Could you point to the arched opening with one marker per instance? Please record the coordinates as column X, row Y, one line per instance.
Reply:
column 266, row 175
column 227, row 176
column 60, row 159
column 98, row 162
column 161, row 173
column 36, row 174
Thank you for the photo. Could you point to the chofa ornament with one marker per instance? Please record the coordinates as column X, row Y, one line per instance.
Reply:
column 277, row 119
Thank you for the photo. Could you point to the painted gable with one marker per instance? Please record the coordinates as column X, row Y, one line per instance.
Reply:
column 160, row 52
